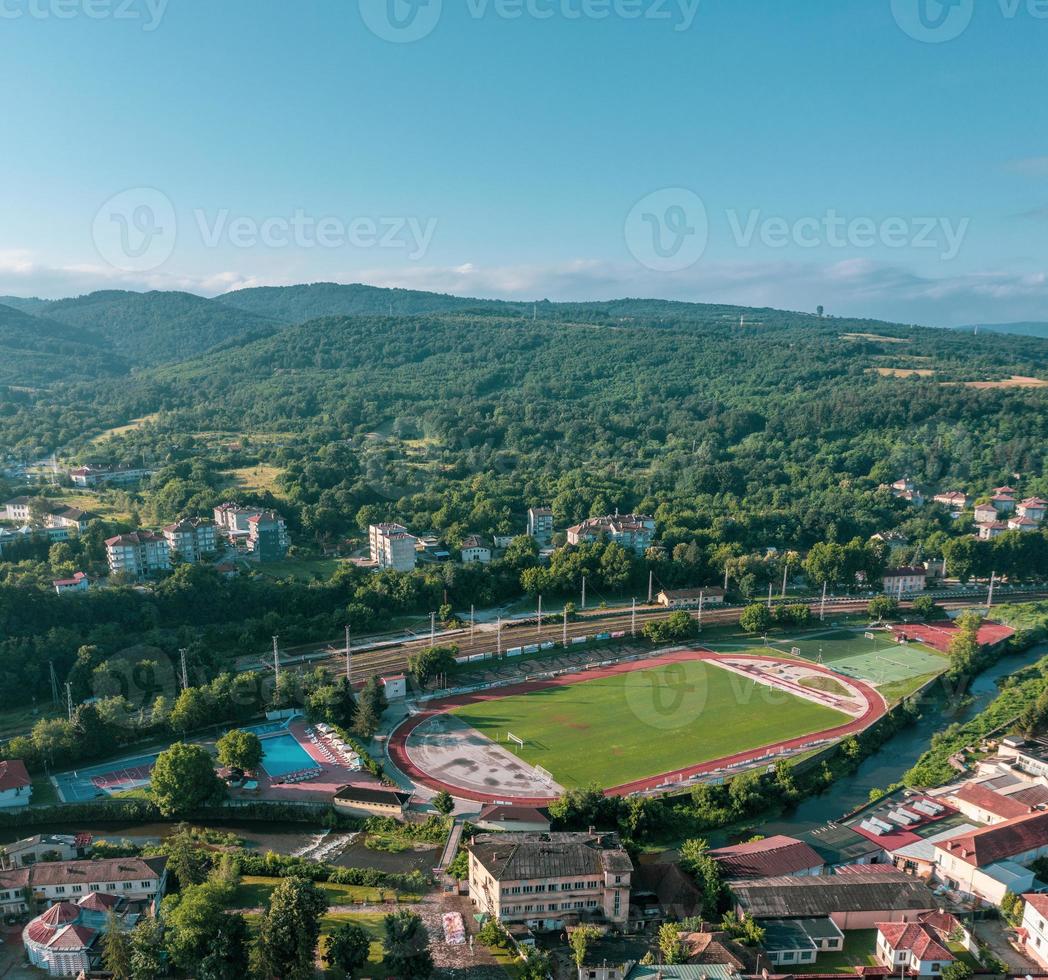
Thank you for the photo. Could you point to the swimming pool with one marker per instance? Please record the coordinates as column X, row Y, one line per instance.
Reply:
column 282, row 754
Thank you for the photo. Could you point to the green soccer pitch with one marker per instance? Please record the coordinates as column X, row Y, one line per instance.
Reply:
column 645, row 722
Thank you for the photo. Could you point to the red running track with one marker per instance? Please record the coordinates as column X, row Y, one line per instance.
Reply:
column 875, row 708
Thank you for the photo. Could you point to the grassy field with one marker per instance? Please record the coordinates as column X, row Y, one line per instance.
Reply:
column 255, row 478
column 302, row 569
column 648, row 721
column 254, row 892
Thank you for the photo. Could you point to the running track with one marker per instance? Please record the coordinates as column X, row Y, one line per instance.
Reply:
column 875, row 708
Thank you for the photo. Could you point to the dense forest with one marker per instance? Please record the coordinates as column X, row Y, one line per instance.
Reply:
column 741, row 430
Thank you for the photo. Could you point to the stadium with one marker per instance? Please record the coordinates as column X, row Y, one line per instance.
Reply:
column 650, row 725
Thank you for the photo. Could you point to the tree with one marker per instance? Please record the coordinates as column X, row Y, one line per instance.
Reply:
column 957, row 970
column 183, row 778
column 670, row 945
column 580, row 940
column 406, row 946
column 288, row 931
column 925, row 607
column 882, row 607
column 366, row 720
column 193, row 709
column 184, row 859
column 227, row 958
column 755, row 618
column 147, row 949
column 194, row 918
column 116, row 949
column 240, row 750
column 444, row 803
column 536, row 966
column 427, row 664
column 826, row 563
column 1012, row 908
column 347, row 948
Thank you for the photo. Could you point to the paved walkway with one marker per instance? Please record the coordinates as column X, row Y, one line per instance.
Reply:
column 398, row 750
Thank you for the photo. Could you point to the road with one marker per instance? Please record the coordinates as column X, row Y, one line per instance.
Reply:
column 381, row 656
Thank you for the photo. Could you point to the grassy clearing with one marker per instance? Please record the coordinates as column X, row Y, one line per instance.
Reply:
column 1015, row 381
column 827, row 684
column 301, row 569
column 120, row 430
column 617, row 729
column 44, row 792
column 874, row 337
column 255, row 479
column 254, row 891
column 897, row 690
column 859, row 950
column 893, row 372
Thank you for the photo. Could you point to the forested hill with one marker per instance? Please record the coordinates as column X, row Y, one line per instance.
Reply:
column 1024, row 329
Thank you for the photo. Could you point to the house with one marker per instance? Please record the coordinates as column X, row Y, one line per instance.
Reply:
column 78, row 583
column 138, row 553
column 1003, row 503
column 916, row 948
column 231, row 519
column 1032, row 507
column 635, row 532
column 395, row 687
column 508, row 816
column 985, row 514
column 40, row 847
column 769, row 858
column 136, row 878
column 91, row 476
column 987, row 863
column 918, row 857
column 191, row 538
column 392, row 547
column 900, row 581
column 16, row 788
column 1024, row 524
column 852, row 901
column 639, row 971
column 17, row 509
column 267, row 537
column 707, row 595
column 983, row 805
column 954, row 499
column 475, row 550
column 905, row 485
column 549, row 881
column 989, row 530
column 540, row 524
column 14, row 891
column 794, row 942
column 717, row 947
column 371, row 801
column 1035, row 928
column 840, row 846
column 65, row 939
column 72, row 518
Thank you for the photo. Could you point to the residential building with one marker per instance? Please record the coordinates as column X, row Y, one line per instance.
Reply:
column 989, row 530
column 78, row 583
column 91, row 476
column 1035, row 928
column 983, row 805
column 267, row 537
column 852, row 901
column 706, row 595
column 392, row 547
column 914, row 948
column 65, row 940
column 72, row 518
column 987, row 863
column 768, row 858
column 793, row 942
column 549, row 881
column 905, row 485
column 1032, row 507
column 635, row 532
column 16, row 788
column 985, row 514
column 231, row 519
column 14, row 891
column 540, row 524
column 17, row 509
column 190, row 539
column 395, row 687
column 135, row 878
column 902, row 581
column 638, row 971
column 506, row 816
column 1003, row 503
column 954, row 499
column 474, row 549
column 138, row 553
column 918, row 857
column 44, row 847
column 371, row 801
column 1024, row 524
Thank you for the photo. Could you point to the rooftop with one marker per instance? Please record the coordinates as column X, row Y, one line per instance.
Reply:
column 791, row 897
column 13, row 775
column 920, row 939
column 373, row 794
column 994, row 803
column 778, row 855
column 1001, row 841
column 521, row 856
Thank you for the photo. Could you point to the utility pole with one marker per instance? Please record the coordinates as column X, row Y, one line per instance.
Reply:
column 69, row 700
column 633, row 618
column 498, row 635
column 432, row 629
column 276, row 660
column 349, row 656
column 583, row 591
column 989, row 598
column 185, row 672
column 651, row 581
column 472, row 624
column 54, row 682
column 702, row 595
column 725, row 578
column 564, row 642
column 769, row 595
column 785, row 572
column 538, row 629
column 822, row 608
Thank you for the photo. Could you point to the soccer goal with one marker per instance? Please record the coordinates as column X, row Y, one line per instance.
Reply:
column 795, row 651
column 519, row 742
column 870, row 636
column 545, row 775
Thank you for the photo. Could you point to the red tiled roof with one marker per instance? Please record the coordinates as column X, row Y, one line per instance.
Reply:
column 919, row 939
column 1038, row 901
column 1000, row 842
column 991, row 802
column 1032, row 797
column 13, row 775
column 768, row 858
column 97, row 902
column 866, row 869
column 73, row 937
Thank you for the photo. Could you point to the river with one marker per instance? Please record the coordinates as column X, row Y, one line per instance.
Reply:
column 900, row 753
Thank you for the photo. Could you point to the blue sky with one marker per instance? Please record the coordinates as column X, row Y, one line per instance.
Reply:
column 799, row 153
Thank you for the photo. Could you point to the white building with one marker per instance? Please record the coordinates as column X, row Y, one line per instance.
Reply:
column 1032, row 507
column 1035, row 926
column 900, row 581
column 475, row 550
column 540, row 524
column 138, row 553
column 392, row 547
column 708, row 595
column 395, row 687
column 912, row 947
column 635, row 532
column 78, row 583
column 16, row 788
column 191, row 538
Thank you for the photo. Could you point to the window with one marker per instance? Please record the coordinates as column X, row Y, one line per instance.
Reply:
column 787, row 957
column 111, row 887
column 78, row 888
column 528, row 889
column 591, row 904
column 554, row 886
column 935, row 968
column 59, row 889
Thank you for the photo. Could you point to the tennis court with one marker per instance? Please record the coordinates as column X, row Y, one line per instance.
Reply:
column 94, row 782
column 879, row 660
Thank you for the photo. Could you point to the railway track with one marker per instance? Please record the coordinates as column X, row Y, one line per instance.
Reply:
column 384, row 656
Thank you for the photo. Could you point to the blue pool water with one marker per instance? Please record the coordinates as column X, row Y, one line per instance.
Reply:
column 282, row 754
